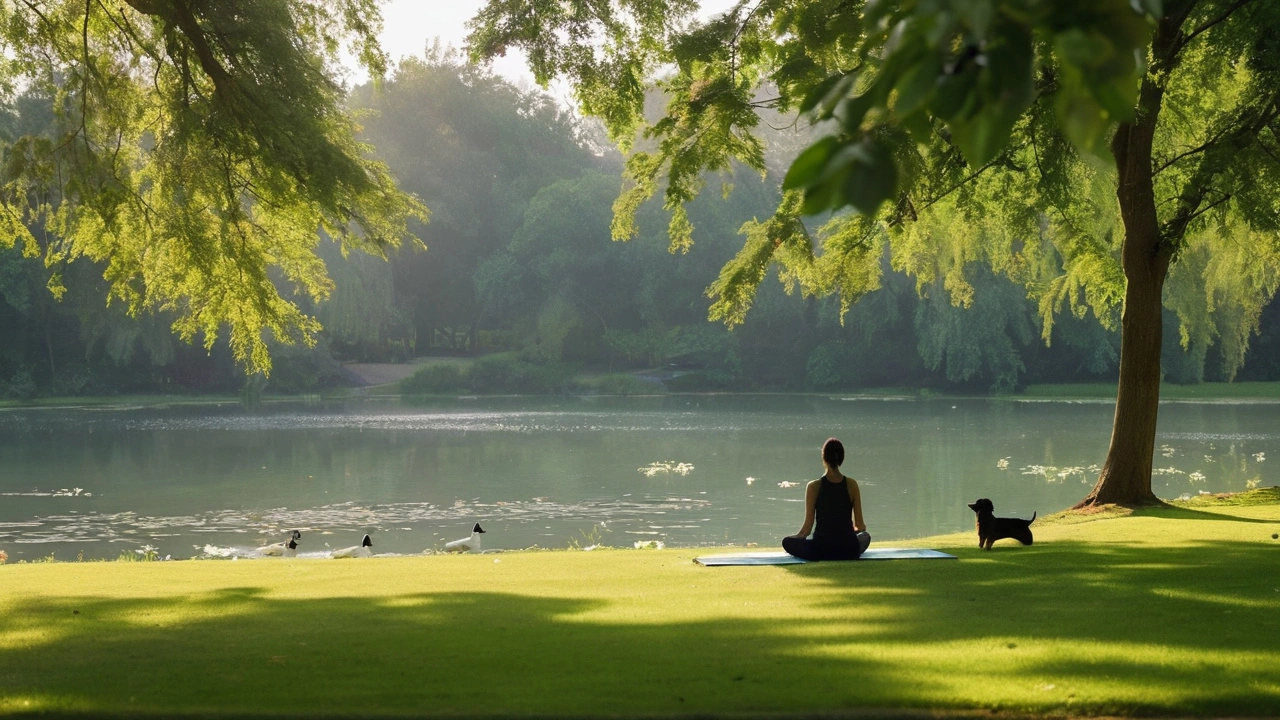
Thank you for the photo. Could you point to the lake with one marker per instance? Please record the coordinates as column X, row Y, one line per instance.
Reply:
column 219, row 481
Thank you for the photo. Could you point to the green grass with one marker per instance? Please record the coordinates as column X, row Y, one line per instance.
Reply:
column 1171, row 611
column 1203, row 391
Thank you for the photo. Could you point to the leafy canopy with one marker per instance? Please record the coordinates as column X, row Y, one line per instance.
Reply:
column 962, row 130
column 196, row 150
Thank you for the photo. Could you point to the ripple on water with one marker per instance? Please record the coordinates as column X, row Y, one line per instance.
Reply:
column 530, row 421
column 1217, row 437
column 127, row 526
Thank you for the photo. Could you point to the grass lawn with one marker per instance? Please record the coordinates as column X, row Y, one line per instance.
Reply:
column 1173, row 611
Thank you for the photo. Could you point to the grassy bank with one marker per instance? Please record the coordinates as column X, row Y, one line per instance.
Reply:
column 1203, row 391
column 1171, row 611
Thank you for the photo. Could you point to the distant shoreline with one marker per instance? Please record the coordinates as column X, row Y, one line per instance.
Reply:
column 1218, row 393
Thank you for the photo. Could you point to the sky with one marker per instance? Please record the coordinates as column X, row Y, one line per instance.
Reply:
column 408, row 25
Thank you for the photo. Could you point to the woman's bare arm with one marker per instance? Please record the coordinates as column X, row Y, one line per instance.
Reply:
column 810, row 508
column 856, row 496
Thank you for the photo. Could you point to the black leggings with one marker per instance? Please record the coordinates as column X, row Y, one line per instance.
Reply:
column 811, row 549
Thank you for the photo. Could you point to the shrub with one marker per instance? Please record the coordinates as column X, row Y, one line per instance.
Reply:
column 298, row 369
column 22, row 386
column 434, row 379
column 507, row 374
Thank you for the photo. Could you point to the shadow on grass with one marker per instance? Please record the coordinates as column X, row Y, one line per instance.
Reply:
column 1177, row 512
column 1059, row 628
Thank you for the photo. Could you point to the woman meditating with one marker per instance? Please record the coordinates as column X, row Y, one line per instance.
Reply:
column 834, row 502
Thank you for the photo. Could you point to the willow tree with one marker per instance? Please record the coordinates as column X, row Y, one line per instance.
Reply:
column 1082, row 148
column 197, row 151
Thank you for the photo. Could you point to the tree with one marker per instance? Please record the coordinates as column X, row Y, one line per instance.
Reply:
column 196, row 149
column 1080, row 148
column 477, row 149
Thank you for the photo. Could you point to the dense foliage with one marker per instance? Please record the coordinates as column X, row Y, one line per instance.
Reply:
column 520, row 264
column 192, row 150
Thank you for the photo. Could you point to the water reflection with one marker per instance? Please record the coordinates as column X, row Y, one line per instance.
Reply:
column 682, row 470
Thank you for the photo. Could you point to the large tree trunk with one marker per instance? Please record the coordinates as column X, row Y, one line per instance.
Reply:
column 1126, row 474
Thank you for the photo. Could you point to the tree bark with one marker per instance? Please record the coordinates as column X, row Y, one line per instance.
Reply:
column 1145, row 256
column 1126, row 474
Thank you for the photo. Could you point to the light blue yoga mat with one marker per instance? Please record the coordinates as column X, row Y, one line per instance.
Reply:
column 778, row 557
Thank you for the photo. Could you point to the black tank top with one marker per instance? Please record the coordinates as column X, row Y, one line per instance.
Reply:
column 834, row 511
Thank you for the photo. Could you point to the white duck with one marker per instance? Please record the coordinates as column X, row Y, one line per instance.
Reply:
column 361, row 550
column 287, row 548
column 467, row 544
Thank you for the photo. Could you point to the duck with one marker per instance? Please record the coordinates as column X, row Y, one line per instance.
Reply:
column 467, row 544
column 287, row 548
column 361, row 550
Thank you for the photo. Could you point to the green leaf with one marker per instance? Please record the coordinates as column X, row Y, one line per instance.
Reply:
column 808, row 165
column 977, row 14
column 978, row 138
column 877, row 9
column 819, row 92
column 827, row 94
column 872, row 178
column 861, row 174
column 852, row 112
column 1083, row 121
column 955, row 95
column 918, row 125
column 820, row 198
column 915, row 87
column 1083, row 49
column 1119, row 96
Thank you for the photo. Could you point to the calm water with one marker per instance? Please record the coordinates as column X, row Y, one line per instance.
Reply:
column 220, row 481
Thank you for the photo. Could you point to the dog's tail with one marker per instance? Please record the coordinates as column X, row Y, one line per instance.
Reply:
column 1033, row 517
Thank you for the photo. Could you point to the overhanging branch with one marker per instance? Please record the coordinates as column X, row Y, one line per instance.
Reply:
column 1186, row 39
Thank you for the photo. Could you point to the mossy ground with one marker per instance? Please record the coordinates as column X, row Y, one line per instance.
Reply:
column 1168, row 611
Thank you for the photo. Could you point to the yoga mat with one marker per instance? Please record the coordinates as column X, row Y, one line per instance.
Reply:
column 778, row 557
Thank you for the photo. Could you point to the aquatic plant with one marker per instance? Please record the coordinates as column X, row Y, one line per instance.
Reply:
column 665, row 467
column 592, row 539
column 1053, row 473
column 146, row 553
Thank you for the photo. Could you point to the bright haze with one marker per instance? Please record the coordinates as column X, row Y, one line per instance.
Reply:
column 409, row 25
